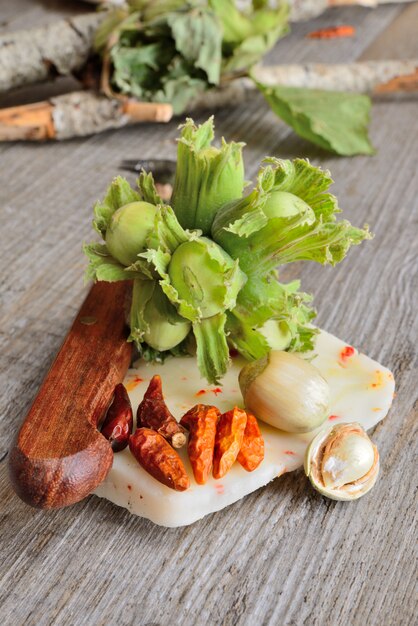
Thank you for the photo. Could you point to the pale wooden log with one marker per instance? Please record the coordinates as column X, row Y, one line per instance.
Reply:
column 76, row 114
column 36, row 55
column 366, row 77
column 362, row 77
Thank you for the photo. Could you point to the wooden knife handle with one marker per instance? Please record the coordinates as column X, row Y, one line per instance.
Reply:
column 59, row 456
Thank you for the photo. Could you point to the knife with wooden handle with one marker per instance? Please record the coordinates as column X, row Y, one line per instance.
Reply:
column 59, row 456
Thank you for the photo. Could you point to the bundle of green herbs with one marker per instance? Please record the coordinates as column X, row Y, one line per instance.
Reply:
column 174, row 50
column 205, row 269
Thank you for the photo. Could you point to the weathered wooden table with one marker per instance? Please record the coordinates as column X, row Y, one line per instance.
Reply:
column 284, row 555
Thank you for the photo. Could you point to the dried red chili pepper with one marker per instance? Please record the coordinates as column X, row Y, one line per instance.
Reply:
column 117, row 425
column 159, row 459
column 334, row 32
column 154, row 413
column 252, row 448
column 201, row 421
column 228, row 440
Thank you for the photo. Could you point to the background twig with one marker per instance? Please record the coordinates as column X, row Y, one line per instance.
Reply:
column 76, row 114
column 366, row 77
column 36, row 55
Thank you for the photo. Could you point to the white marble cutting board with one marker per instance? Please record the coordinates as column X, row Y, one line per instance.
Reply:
column 361, row 391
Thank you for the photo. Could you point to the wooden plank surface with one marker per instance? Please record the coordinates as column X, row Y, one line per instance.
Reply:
column 283, row 555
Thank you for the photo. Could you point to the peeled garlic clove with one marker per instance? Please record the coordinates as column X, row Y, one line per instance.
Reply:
column 342, row 463
column 285, row 391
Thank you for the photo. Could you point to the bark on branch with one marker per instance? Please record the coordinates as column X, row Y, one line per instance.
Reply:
column 76, row 114
column 36, row 55
column 368, row 77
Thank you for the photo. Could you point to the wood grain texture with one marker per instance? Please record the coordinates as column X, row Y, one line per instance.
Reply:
column 59, row 456
column 283, row 555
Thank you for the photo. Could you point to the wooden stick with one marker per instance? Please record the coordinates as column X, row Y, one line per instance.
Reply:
column 39, row 54
column 360, row 77
column 404, row 84
column 371, row 77
column 76, row 114
column 59, row 456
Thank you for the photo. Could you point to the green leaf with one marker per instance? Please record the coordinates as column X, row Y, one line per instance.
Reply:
column 198, row 38
column 335, row 121
column 248, row 35
column 304, row 339
column 309, row 233
column 299, row 177
column 236, row 25
column 159, row 260
column 263, row 304
column 102, row 266
column 141, row 294
column 248, row 224
column 147, row 188
column 112, row 24
column 266, row 298
column 325, row 243
column 253, row 49
column 154, row 320
column 263, row 298
column 117, row 195
column 247, row 340
column 178, row 90
column 212, row 348
column 152, row 9
column 163, row 52
column 136, row 67
column 144, row 268
column 168, row 233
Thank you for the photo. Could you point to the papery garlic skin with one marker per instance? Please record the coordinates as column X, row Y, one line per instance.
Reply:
column 342, row 463
column 285, row 391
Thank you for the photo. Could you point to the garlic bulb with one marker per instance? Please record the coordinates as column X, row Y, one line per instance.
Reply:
column 341, row 462
column 285, row 391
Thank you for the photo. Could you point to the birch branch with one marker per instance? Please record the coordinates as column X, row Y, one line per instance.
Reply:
column 368, row 77
column 39, row 54
column 76, row 114
column 360, row 77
